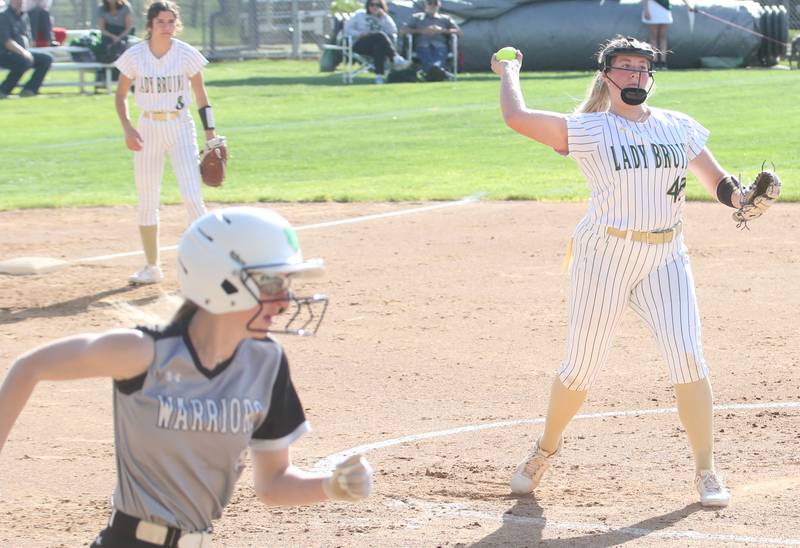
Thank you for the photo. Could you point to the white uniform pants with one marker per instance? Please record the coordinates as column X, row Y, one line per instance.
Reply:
column 608, row 275
column 177, row 138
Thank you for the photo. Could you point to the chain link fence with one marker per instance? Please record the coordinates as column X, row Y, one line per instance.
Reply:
column 228, row 29
column 240, row 29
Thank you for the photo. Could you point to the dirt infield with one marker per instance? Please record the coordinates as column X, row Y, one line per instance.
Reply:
column 439, row 320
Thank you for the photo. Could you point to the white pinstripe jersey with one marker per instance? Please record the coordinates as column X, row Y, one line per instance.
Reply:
column 161, row 84
column 636, row 171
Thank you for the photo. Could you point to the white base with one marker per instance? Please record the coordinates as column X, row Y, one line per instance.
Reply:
column 31, row 265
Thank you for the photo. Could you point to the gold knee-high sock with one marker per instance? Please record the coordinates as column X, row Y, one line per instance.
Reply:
column 149, row 234
column 563, row 405
column 695, row 409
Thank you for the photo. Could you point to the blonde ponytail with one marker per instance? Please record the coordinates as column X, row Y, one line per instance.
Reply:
column 597, row 99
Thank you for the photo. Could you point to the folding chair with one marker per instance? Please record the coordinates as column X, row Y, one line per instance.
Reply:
column 344, row 44
column 452, row 54
column 358, row 63
column 354, row 63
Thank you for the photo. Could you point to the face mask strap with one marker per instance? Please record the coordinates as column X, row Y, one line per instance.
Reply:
column 630, row 95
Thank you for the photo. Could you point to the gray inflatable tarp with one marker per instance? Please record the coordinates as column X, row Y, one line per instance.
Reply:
column 566, row 34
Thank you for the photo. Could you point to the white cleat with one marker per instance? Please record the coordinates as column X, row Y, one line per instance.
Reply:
column 399, row 62
column 712, row 491
column 529, row 472
column 150, row 274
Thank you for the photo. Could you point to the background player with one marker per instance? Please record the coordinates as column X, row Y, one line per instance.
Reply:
column 657, row 16
column 628, row 248
column 190, row 398
column 163, row 69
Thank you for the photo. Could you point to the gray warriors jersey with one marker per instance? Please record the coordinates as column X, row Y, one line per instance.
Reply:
column 636, row 171
column 181, row 430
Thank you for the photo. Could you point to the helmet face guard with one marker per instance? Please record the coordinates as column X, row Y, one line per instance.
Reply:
column 630, row 95
column 303, row 315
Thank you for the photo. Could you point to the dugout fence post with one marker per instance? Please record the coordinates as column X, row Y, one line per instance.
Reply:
column 297, row 30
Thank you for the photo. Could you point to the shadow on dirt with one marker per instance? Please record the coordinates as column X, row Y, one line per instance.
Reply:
column 70, row 307
column 524, row 522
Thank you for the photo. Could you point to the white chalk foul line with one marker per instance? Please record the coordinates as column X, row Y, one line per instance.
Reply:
column 468, row 200
column 329, row 463
column 444, row 509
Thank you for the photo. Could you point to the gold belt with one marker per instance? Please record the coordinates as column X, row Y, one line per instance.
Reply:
column 161, row 116
column 656, row 237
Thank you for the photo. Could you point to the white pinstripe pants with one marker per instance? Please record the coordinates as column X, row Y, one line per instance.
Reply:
column 177, row 138
column 608, row 274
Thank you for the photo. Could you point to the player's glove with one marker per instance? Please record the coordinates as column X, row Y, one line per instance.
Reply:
column 352, row 480
column 758, row 197
column 214, row 162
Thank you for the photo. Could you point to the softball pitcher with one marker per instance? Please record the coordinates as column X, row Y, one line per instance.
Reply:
column 628, row 248
column 164, row 72
column 191, row 398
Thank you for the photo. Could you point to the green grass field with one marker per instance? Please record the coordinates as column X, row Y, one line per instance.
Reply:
column 298, row 135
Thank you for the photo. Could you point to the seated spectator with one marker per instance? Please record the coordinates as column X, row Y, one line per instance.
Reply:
column 14, row 53
column 41, row 23
column 432, row 32
column 115, row 21
column 373, row 32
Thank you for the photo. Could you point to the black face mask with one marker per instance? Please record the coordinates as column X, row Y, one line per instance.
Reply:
column 634, row 95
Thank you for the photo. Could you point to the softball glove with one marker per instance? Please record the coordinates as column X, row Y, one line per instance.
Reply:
column 758, row 197
column 214, row 162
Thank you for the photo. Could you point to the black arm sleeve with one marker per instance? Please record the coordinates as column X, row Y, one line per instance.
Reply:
column 285, row 410
column 725, row 189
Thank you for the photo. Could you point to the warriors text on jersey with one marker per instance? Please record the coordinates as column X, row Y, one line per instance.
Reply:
column 161, row 84
column 181, row 430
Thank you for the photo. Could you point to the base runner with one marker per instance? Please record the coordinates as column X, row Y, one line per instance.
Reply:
column 191, row 398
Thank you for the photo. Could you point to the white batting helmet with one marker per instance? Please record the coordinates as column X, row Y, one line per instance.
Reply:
column 220, row 253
